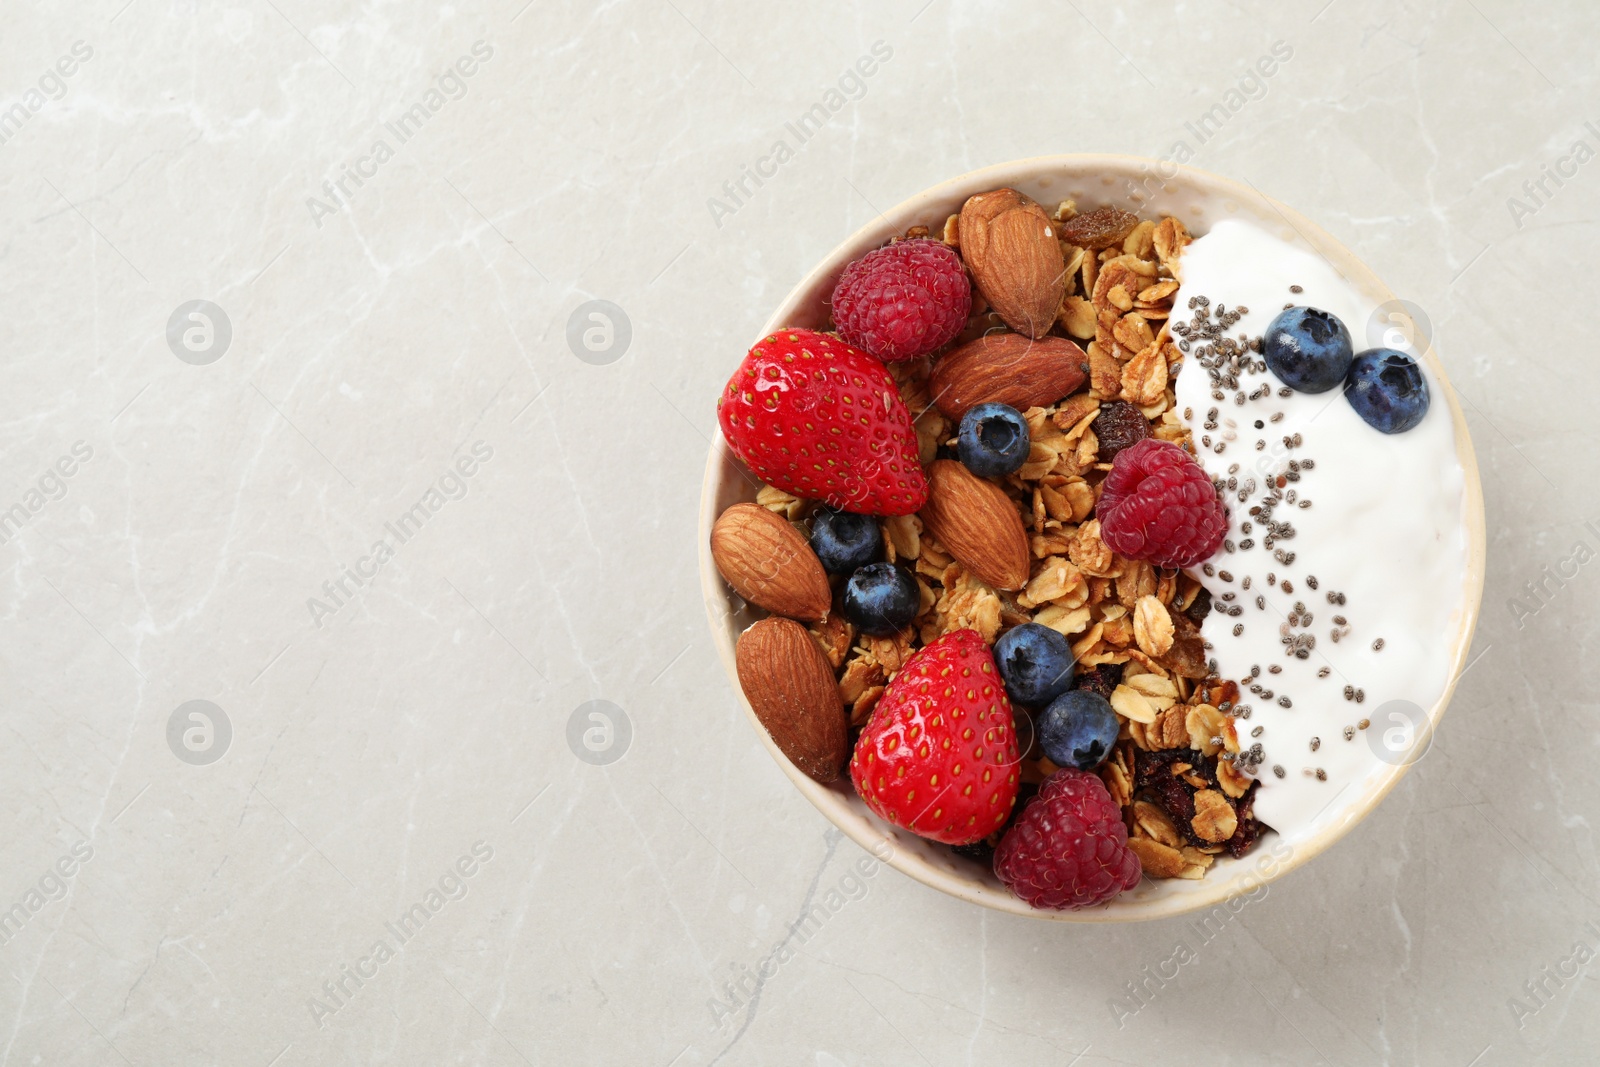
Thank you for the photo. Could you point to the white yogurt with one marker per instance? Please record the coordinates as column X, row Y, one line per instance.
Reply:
column 1386, row 527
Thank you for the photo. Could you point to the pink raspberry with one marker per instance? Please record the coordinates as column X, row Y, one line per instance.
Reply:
column 1158, row 505
column 1068, row 848
column 903, row 300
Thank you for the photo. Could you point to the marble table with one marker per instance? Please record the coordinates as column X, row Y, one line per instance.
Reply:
column 359, row 704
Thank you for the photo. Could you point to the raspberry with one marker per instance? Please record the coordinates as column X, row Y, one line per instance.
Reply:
column 904, row 300
column 1068, row 848
column 1158, row 505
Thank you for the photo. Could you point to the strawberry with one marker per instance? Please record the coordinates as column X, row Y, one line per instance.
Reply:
column 817, row 418
column 939, row 755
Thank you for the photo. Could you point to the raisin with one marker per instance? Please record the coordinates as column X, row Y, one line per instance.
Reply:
column 1119, row 425
column 1200, row 608
column 1100, row 228
column 1150, row 767
column 1250, row 829
column 1101, row 679
column 1176, row 798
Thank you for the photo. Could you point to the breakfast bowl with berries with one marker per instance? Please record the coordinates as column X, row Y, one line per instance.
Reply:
column 1092, row 539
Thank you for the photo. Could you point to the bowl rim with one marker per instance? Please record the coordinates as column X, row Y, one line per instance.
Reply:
column 847, row 812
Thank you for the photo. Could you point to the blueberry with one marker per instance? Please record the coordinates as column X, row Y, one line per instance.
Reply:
column 1309, row 349
column 844, row 540
column 1387, row 389
column 993, row 440
column 880, row 599
column 1035, row 664
column 1078, row 730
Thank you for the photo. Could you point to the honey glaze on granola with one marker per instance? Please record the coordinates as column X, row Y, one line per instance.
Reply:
column 1338, row 588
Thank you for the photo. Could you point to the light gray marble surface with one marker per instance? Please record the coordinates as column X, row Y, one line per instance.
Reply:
column 419, row 719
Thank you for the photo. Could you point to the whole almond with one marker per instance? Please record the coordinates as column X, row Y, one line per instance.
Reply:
column 1007, row 368
column 977, row 524
column 792, row 691
column 1010, row 245
column 980, row 210
column 769, row 564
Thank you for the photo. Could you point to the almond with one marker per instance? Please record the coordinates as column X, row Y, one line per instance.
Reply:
column 1010, row 245
column 769, row 564
column 977, row 524
column 1007, row 368
column 792, row 691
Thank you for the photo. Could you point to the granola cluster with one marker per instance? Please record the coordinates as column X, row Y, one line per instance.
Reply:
column 1134, row 628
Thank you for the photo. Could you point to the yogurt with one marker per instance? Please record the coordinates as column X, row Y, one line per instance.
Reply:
column 1375, row 519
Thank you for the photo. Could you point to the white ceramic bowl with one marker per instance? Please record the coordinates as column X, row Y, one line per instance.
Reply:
column 1139, row 185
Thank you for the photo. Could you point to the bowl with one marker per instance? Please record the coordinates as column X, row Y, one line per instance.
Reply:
column 1146, row 187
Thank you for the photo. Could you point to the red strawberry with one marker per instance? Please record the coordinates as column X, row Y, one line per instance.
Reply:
column 939, row 755
column 824, row 421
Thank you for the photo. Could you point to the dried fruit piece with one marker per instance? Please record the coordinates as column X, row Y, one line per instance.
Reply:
column 1103, row 679
column 1118, row 425
column 1100, row 228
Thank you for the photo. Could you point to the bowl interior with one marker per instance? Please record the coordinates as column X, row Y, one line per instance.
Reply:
column 1149, row 188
